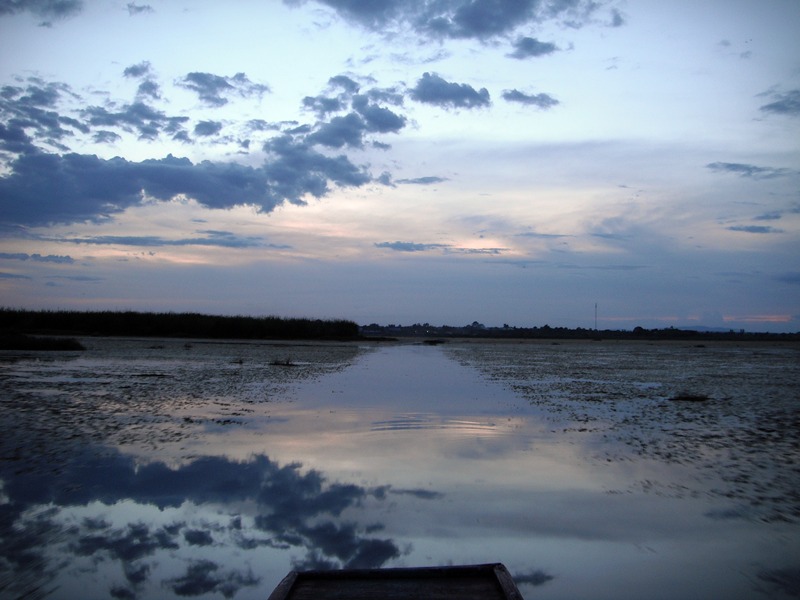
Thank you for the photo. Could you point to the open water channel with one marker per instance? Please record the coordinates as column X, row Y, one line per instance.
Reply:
column 145, row 468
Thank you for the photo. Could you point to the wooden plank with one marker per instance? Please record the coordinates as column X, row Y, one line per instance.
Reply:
column 470, row 582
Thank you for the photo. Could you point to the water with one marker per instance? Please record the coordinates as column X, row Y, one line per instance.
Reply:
column 157, row 469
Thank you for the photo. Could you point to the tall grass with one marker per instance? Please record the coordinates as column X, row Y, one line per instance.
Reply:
column 190, row 325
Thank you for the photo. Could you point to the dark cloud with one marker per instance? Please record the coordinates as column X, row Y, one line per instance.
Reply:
column 755, row 229
column 409, row 246
column 419, row 493
column 49, row 188
column 433, row 89
column 543, row 101
column 29, row 110
column 344, row 82
column 745, row 170
column 526, row 47
column 138, row 9
column 207, row 128
column 149, row 89
column 46, row 9
column 12, row 276
column 617, row 18
column 139, row 70
column 323, row 105
column 221, row 239
column 198, row 537
column 787, row 103
column 377, row 118
column 50, row 258
column 477, row 19
column 427, row 180
column 294, row 169
column 104, row 136
column 213, row 89
column 340, row 131
column 137, row 117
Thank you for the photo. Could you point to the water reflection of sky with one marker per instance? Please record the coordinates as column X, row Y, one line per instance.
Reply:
column 403, row 458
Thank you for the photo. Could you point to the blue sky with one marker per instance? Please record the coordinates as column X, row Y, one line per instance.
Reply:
column 511, row 162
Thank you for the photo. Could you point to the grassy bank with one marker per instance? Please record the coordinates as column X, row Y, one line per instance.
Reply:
column 189, row 325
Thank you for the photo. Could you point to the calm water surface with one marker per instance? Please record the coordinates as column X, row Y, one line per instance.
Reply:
column 158, row 469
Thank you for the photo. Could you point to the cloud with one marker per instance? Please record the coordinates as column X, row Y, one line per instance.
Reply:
column 198, row 537
column 139, row 70
column 148, row 122
column 340, row 131
column 419, row 493
column 220, row 239
column 755, row 229
column 527, row 47
column 207, row 128
column 47, row 9
column 30, row 109
column 543, row 101
column 213, row 89
column 477, row 19
column 745, row 170
column 138, row 9
column 427, row 180
column 409, row 246
column 49, row 188
column 433, row 89
column 787, row 103
column 50, row 258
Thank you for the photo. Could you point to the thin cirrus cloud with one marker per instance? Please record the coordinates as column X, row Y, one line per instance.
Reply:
column 784, row 103
column 748, row 170
column 48, row 258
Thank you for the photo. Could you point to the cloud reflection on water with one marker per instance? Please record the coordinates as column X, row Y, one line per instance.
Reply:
column 294, row 509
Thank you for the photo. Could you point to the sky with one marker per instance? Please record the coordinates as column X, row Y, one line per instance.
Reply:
column 512, row 162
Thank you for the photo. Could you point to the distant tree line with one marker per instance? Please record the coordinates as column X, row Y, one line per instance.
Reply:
column 188, row 325
column 478, row 330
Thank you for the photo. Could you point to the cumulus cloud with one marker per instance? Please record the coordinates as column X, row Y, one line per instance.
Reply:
column 433, row 89
column 139, row 117
column 746, row 170
column 527, row 47
column 787, row 103
column 28, row 112
column 214, row 89
column 543, row 101
column 50, row 188
column 141, row 69
column 207, row 128
column 46, row 9
column 476, row 19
